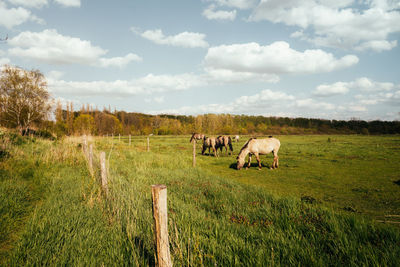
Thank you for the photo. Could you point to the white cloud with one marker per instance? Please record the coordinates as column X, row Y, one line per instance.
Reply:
column 266, row 102
column 361, row 84
column 230, row 76
column 184, row 39
column 377, row 45
column 368, row 85
column 338, row 88
column 69, row 3
column 148, row 84
column 29, row 3
column 337, row 24
column 12, row 17
column 42, row 3
column 157, row 100
column 51, row 47
column 210, row 13
column 310, row 103
column 241, row 4
column 120, row 62
column 277, row 58
column 54, row 75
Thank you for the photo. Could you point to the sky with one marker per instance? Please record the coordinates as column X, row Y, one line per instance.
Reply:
column 329, row 59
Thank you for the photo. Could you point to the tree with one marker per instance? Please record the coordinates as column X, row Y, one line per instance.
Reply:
column 60, row 126
column 84, row 124
column 24, row 99
column 107, row 124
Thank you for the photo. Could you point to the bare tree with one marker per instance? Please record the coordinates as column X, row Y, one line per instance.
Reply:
column 24, row 99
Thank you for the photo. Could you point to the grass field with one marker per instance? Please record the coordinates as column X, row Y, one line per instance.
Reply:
column 319, row 208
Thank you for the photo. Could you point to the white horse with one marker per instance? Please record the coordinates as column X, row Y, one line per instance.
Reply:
column 259, row 147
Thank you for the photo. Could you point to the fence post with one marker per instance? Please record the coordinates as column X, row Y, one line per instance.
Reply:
column 129, row 140
column 160, row 215
column 91, row 159
column 104, row 182
column 85, row 148
column 119, row 137
column 148, row 144
column 194, row 153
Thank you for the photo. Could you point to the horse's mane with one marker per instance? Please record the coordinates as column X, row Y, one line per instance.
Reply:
column 246, row 145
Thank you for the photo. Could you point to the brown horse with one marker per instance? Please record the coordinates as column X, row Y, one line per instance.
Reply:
column 197, row 136
column 259, row 147
column 225, row 141
column 210, row 142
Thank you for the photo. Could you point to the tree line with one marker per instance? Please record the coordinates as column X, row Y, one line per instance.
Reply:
column 26, row 104
column 106, row 122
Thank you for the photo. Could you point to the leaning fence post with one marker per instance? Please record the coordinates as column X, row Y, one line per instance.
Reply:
column 91, row 159
column 194, row 153
column 148, row 144
column 104, row 182
column 160, row 215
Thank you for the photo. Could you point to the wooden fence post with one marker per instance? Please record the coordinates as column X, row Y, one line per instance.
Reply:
column 91, row 159
column 148, row 144
column 119, row 137
column 160, row 215
column 194, row 153
column 104, row 182
column 129, row 140
column 85, row 147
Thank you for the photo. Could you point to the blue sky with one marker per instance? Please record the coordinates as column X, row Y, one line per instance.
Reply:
column 332, row 59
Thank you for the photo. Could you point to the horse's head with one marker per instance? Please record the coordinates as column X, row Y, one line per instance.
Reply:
column 240, row 163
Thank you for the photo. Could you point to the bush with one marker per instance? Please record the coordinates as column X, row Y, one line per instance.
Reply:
column 45, row 134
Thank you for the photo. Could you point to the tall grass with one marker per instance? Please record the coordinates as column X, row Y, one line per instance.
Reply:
column 213, row 219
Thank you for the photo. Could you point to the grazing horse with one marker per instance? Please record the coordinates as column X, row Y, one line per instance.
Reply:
column 210, row 142
column 225, row 141
column 236, row 138
column 259, row 147
column 197, row 136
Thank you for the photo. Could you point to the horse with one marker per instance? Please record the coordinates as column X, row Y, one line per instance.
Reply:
column 210, row 142
column 197, row 136
column 236, row 138
column 225, row 141
column 259, row 147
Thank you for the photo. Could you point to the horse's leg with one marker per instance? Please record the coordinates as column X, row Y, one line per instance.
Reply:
column 276, row 161
column 249, row 162
column 258, row 160
column 275, row 164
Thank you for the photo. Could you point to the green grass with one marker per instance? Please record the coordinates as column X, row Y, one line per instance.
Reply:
column 217, row 215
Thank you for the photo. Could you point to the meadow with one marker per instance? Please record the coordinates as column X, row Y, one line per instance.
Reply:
column 323, row 206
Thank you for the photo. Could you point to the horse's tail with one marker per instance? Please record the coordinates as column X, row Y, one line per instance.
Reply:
column 191, row 139
column 230, row 143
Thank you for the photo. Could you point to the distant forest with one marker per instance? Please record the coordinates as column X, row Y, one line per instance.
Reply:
column 107, row 122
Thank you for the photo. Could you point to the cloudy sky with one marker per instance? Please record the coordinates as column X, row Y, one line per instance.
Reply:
column 332, row 59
